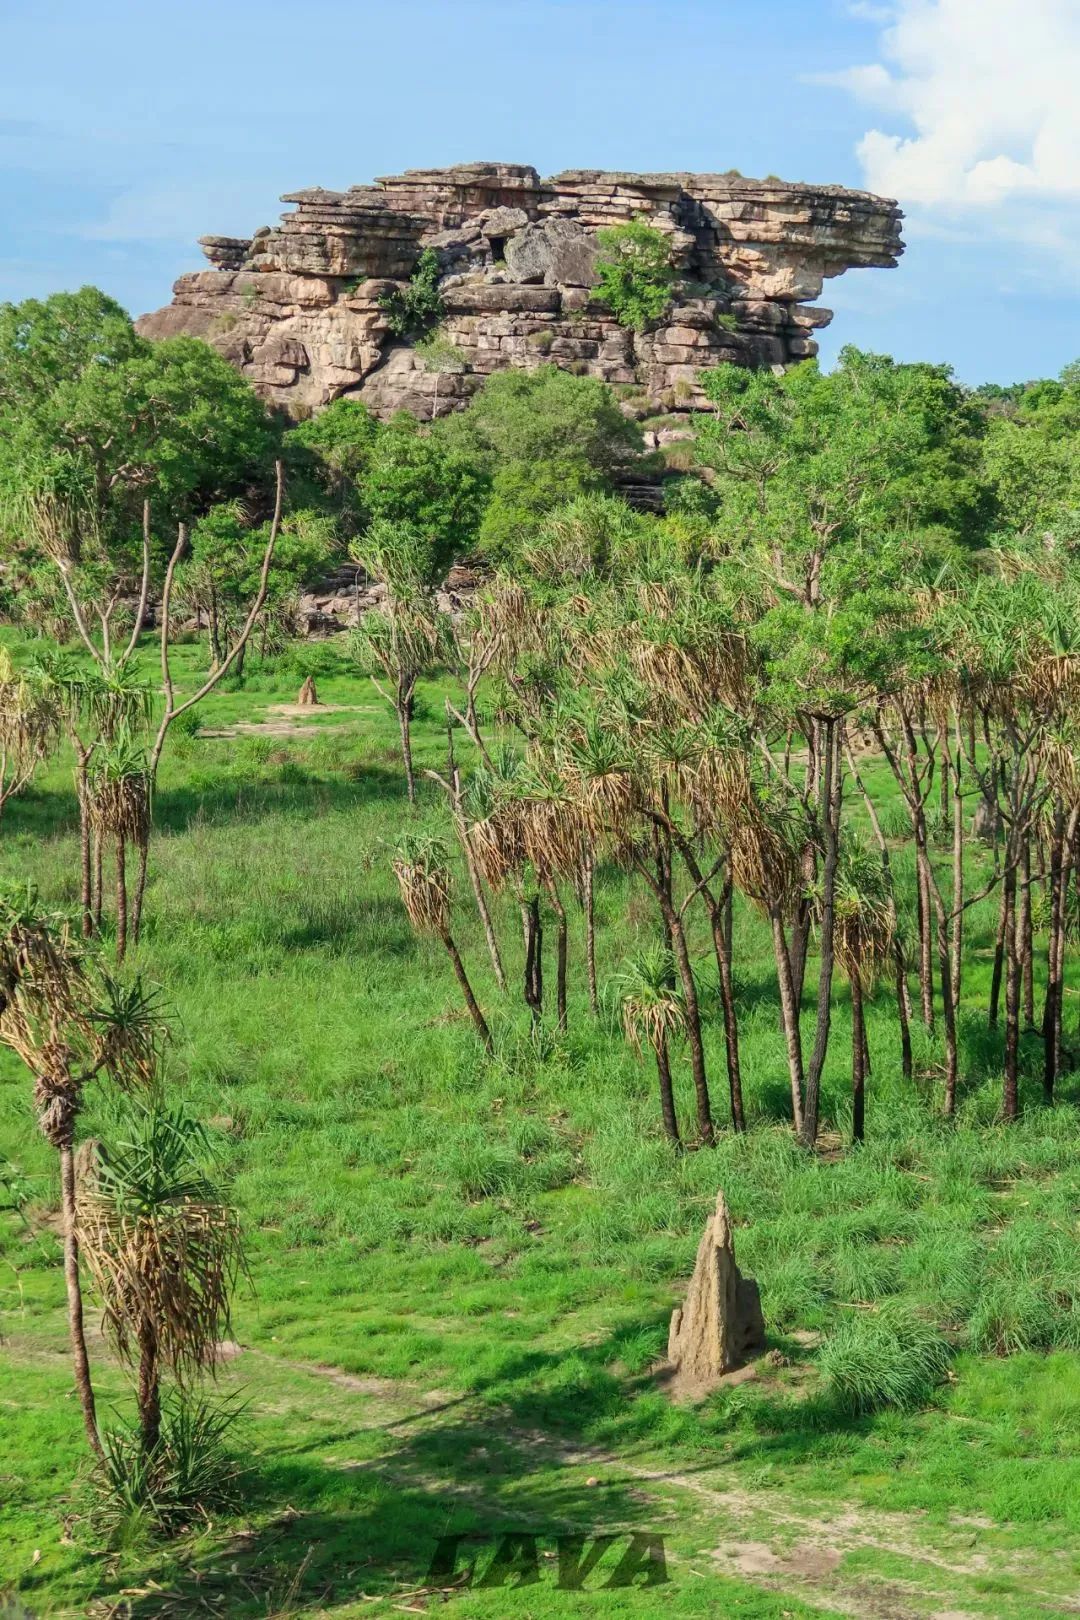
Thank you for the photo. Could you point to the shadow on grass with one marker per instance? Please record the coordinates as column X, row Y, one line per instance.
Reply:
column 235, row 798
column 516, row 1454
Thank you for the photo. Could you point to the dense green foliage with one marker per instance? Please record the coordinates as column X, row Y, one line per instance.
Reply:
column 634, row 275
column 414, row 309
column 541, row 437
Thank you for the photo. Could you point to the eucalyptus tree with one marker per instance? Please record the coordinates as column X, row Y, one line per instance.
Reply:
column 101, row 434
column 809, row 467
column 70, row 1023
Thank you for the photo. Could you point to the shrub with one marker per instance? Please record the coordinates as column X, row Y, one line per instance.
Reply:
column 193, row 1472
column 876, row 1359
column 413, row 310
column 634, row 273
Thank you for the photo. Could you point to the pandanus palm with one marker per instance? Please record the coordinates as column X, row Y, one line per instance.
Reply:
column 422, row 868
column 29, row 727
column 653, row 1010
column 163, row 1248
column 120, row 811
column 69, row 1024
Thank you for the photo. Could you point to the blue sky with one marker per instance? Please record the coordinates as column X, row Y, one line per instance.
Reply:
column 128, row 129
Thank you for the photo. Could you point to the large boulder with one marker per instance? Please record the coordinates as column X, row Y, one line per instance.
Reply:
column 557, row 252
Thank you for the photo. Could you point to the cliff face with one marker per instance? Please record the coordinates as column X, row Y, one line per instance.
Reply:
column 298, row 307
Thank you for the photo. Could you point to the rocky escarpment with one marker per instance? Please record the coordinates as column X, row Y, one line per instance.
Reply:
column 300, row 307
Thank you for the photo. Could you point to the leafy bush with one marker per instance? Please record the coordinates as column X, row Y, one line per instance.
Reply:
column 634, row 273
column 890, row 1357
column 414, row 309
column 193, row 1472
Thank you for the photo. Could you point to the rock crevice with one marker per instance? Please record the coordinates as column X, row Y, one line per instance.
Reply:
column 299, row 307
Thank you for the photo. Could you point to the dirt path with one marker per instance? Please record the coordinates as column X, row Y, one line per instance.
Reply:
column 822, row 1552
column 840, row 1557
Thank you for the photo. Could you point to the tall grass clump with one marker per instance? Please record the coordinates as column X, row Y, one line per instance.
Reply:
column 877, row 1359
column 193, row 1473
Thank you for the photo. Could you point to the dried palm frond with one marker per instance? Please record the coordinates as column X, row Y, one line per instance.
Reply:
column 552, row 822
column 652, row 1007
column 161, row 1245
column 29, row 726
column 421, row 866
column 120, row 792
column 65, row 1020
column 864, row 917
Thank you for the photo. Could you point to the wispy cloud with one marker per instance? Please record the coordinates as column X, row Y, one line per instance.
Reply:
column 977, row 123
column 988, row 92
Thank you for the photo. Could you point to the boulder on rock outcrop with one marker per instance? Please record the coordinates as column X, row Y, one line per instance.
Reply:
column 720, row 1323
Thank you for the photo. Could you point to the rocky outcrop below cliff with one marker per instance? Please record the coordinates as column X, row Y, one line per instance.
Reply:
column 300, row 307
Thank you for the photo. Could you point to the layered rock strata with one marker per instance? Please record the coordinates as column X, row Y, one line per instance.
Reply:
column 300, row 307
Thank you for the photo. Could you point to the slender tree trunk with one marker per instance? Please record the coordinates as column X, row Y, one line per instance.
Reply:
column 681, row 953
column 953, row 765
column 1026, row 934
column 534, row 972
column 667, row 1095
column 800, row 927
column 664, row 874
column 561, row 945
column 926, row 950
column 470, row 1000
column 140, row 889
column 789, row 1012
column 693, row 1030
column 948, row 1010
column 1011, row 1093
column 404, row 706
column 903, row 1010
column 121, row 899
column 82, row 783
column 588, row 904
column 149, row 1392
column 79, row 1354
column 482, row 909
column 1050, row 1016
column 722, row 946
column 858, row 1060
column 830, row 802
column 98, row 883
column 903, row 996
column 1004, row 908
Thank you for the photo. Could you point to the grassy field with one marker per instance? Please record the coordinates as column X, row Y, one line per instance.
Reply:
column 462, row 1270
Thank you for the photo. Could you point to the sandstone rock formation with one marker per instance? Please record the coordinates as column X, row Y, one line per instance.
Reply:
column 720, row 1322
column 299, row 307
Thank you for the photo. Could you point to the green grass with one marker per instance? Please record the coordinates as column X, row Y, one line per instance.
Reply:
column 512, row 1235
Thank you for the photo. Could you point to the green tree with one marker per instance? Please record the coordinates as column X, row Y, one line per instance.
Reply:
column 634, row 274
column 542, row 437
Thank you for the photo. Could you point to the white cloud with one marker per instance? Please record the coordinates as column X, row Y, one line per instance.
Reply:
column 979, row 102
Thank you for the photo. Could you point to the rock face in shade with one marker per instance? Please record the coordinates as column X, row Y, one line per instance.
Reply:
column 720, row 1323
column 297, row 307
